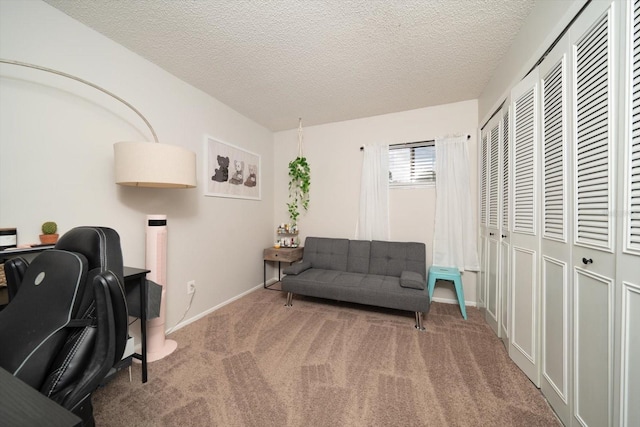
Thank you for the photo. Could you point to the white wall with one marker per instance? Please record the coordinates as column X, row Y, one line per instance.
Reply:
column 333, row 151
column 56, row 155
column 542, row 27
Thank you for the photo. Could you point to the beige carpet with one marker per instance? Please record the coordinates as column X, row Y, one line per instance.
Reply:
column 321, row 363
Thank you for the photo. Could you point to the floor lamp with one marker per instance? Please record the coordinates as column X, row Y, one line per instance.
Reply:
column 146, row 164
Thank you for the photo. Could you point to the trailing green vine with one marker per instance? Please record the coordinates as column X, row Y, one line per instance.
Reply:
column 299, row 182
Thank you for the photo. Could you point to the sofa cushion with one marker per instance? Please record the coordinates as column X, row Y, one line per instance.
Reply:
column 411, row 279
column 392, row 258
column 359, row 253
column 326, row 253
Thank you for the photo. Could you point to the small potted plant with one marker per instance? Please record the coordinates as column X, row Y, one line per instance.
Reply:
column 49, row 234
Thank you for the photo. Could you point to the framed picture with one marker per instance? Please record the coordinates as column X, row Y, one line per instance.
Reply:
column 231, row 171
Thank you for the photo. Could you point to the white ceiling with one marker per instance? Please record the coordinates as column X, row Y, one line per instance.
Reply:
column 324, row 61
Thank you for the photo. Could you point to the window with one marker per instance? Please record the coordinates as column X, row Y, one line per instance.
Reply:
column 412, row 164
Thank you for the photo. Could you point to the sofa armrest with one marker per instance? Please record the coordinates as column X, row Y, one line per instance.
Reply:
column 297, row 268
column 411, row 279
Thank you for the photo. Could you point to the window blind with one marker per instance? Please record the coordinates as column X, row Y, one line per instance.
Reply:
column 412, row 164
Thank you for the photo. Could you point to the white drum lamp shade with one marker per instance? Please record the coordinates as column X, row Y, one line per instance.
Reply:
column 152, row 164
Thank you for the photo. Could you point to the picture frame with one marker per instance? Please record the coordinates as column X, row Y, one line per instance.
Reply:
column 231, row 171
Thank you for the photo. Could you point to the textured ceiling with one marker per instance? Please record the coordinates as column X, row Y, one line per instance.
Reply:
column 324, row 61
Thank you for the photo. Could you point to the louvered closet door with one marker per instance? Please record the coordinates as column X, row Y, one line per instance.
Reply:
column 524, row 340
column 505, row 241
column 556, row 209
column 492, row 301
column 484, row 233
column 628, row 271
column 593, row 66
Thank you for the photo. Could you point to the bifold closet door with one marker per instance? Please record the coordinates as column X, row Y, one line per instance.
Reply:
column 492, row 277
column 557, row 208
column 505, row 241
column 484, row 233
column 594, row 71
column 525, row 253
column 628, row 259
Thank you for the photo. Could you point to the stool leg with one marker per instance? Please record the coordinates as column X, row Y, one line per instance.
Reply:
column 431, row 285
column 460, row 292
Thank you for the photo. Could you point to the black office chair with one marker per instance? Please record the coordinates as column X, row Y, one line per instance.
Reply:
column 66, row 326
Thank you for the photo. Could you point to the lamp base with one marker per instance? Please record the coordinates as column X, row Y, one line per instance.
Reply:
column 166, row 349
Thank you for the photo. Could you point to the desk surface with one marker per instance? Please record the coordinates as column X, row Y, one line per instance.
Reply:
column 22, row 405
column 21, row 251
column 134, row 273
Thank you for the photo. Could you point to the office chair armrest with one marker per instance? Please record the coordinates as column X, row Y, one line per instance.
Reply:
column 104, row 285
column 14, row 271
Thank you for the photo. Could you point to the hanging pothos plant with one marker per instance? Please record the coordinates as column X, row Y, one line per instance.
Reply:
column 299, row 182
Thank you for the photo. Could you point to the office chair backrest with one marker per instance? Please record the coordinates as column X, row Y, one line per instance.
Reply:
column 36, row 332
column 102, row 248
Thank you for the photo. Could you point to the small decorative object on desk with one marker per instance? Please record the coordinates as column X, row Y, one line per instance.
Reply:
column 49, row 234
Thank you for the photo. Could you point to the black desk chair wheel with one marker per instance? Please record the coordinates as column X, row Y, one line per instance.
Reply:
column 66, row 324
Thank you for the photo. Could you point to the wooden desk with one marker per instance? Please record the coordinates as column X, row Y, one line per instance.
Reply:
column 8, row 253
column 289, row 255
column 22, row 405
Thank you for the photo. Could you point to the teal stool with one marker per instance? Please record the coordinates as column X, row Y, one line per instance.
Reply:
column 451, row 274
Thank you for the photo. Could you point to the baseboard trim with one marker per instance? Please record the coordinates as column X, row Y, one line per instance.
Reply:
column 261, row 285
column 453, row 301
column 212, row 309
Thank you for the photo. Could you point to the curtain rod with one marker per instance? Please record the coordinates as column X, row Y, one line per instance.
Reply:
column 416, row 142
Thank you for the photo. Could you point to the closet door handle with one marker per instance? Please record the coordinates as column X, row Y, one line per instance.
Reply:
column 491, row 234
column 504, row 235
column 586, row 261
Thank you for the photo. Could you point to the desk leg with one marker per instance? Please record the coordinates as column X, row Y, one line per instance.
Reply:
column 143, row 325
column 264, row 271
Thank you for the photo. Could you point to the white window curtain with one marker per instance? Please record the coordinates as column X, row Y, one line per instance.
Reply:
column 373, row 221
column 454, row 241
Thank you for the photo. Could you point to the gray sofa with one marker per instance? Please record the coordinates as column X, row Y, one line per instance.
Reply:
column 384, row 274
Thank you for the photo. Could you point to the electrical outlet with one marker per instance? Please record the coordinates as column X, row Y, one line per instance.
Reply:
column 191, row 287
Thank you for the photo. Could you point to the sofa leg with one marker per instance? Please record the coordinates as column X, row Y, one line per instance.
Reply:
column 289, row 298
column 419, row 321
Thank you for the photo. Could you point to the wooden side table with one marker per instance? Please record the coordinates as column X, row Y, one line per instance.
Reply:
column 289, row 255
